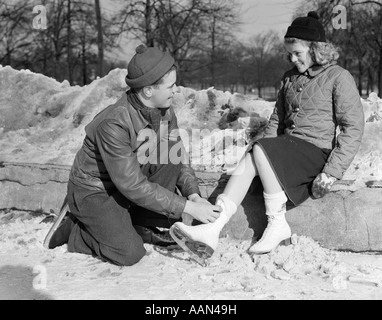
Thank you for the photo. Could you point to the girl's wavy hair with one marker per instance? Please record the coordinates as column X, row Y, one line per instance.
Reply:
column 322, row 53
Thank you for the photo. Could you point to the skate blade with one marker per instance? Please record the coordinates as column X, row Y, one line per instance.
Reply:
column 198, row 251
column 286, row 242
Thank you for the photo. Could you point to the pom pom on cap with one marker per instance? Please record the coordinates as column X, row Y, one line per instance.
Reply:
column 313, row 14
column 141, row 49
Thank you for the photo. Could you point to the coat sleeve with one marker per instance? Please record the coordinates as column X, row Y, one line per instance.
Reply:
column 350, row 118
column 124, row 169
column 276, row 125
column 187, row 182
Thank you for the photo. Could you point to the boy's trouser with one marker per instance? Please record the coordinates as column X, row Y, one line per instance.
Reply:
column 105, row 221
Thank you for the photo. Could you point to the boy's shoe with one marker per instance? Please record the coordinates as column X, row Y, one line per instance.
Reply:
column 59, row 233
column 153, row 235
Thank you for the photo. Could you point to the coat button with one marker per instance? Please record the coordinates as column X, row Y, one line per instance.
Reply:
column 299, row 89
column 293, row 126
column 296, row 110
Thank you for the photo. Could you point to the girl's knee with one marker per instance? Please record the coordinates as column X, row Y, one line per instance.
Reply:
column 256, row 150
column 258, row 154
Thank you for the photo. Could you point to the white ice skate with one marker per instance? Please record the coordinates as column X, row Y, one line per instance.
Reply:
column 277, row 232
column 201, row 241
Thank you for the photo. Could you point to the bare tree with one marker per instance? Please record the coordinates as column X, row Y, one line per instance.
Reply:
column 69, row 40
column 261, row 48
column 372, row 13
column 378, row 3
column 222, row 19
column 15, row 35
column 136, row 18
column 99, row 39
column 361, row 40
column 183, row 27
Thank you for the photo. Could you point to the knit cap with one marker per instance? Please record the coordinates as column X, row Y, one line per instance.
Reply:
column 148, row 65
column 307, row 28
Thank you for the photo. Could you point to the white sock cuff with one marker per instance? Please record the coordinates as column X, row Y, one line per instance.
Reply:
column 279, row 197
column 275, row 204
column 228, row 204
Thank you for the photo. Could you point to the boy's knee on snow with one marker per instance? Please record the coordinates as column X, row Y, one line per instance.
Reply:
column 126, row 258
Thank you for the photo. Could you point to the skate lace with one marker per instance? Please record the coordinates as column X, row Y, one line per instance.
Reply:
column 271, row 219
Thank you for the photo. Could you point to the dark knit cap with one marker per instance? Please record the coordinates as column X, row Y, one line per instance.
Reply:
column 147, row 66
column 307, row 28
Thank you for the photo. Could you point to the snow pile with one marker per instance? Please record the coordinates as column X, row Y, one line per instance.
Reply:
column 367, row 164
column 16, row 233
column 303, row 257
column 42, row 121
column 373, row 108
column 199, row 109
column 217, row 150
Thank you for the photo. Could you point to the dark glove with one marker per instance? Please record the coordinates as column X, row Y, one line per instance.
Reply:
column 322, row 185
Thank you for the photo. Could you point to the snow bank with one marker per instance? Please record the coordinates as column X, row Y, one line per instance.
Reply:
column 42, row 121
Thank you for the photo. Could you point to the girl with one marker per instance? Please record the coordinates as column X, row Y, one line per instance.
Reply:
column 300, row 153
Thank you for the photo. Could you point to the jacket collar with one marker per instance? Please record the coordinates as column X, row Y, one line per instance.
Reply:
column 139, row 122
column 317, row 69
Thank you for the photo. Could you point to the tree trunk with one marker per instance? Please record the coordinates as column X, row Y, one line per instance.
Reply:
column 360, row 76
column 380, row 73
column 259, row 87
column 99, row 39
column 180, row 77
column 149, row 32
column 213, row 48
column 84, row 65
column 370, row 79
column 69, row 39
column 8, row 59
column 45, row 62
column 57, row 66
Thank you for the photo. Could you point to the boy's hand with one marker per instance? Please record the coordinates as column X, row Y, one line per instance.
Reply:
column 187, row 218
column 197, row 198
column 203, row 211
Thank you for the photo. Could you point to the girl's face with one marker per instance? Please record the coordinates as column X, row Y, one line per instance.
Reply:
column 299, row 55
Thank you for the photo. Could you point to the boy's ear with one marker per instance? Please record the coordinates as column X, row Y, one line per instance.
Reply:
column 148, row 91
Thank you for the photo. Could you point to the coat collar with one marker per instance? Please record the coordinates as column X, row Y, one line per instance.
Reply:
column 139, row 122
column 317, row 69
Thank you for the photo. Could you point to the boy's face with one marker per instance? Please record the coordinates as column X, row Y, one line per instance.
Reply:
column 163, row 93
column 299, row 55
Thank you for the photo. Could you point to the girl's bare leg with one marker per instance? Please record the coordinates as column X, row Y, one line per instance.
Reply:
column 254, row 164
column 202, row 240
column 268, row 178
column 240, row 181
column 275, row 200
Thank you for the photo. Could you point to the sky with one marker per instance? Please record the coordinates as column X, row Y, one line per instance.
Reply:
column 257, row 16
column 263, row 15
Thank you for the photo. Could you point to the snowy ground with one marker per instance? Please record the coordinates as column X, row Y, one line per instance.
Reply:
column 43, row 121
column 303, row 270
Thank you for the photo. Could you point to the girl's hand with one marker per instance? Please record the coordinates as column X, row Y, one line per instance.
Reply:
column 322, row 185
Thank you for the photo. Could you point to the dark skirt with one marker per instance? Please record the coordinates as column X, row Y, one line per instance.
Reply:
column 296, row 164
